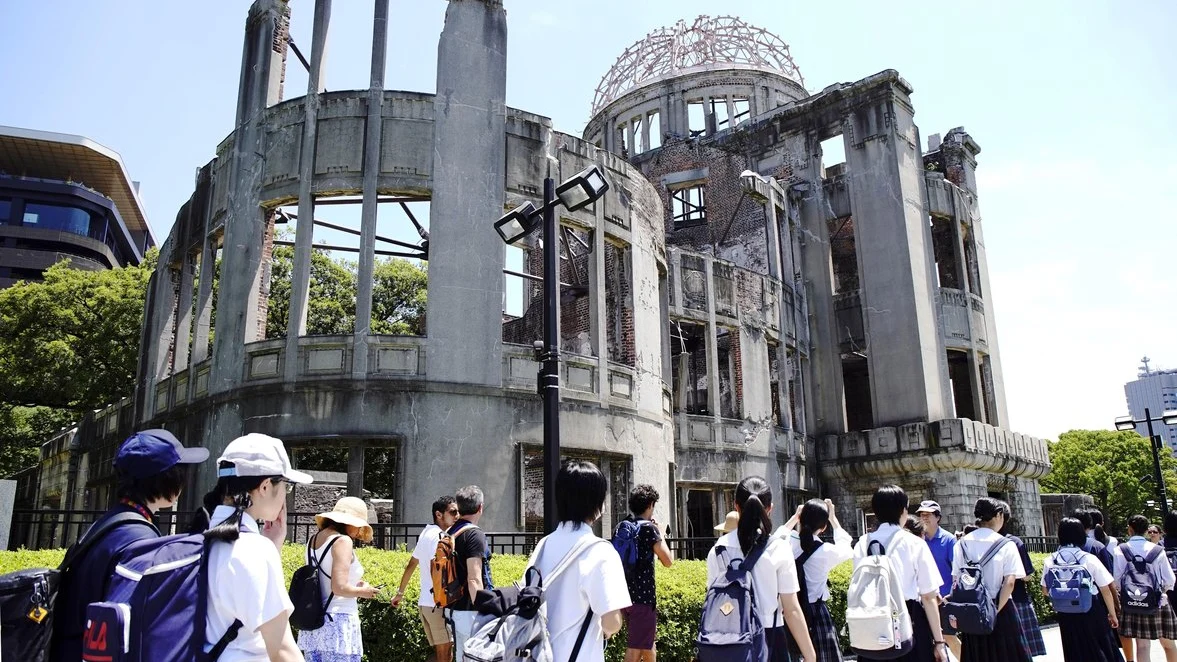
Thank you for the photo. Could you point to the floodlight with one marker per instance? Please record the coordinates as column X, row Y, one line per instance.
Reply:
column 1169, row 417
column 1125, row 423
column 517, row 223
column 582, row 189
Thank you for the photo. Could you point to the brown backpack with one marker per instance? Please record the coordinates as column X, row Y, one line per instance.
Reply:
column 448, row 587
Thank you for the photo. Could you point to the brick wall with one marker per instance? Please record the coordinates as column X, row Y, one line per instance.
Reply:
column 263, row 295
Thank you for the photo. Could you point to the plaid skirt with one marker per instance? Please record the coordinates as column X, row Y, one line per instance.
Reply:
column 1161, row 625
column 1032, row 641
column 822, row 633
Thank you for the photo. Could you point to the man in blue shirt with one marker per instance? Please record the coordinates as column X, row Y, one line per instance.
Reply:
column 151, row 467
column 941, row 543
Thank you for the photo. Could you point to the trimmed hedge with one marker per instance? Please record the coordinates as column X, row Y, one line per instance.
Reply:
column 394, row 634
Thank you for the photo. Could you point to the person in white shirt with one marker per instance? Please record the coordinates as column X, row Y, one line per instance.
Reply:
column 333, row 547
column 774, row 574
column 1088, row 637
column 245, row 578
column 999, row 576
column 917, row 571
column 445, row 514
column 816, row 559
column 584, row 600
column 1145, row 628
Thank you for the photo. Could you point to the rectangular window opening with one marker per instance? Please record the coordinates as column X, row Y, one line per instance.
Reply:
column 944, row 248
column 696, row 118
column 961, row 383
column 688, row 206
column 688, row 359
column 856, row 385
column 655, row 124
column 843, row 255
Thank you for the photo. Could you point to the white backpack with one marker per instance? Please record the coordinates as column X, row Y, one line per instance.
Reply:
column 876, row 613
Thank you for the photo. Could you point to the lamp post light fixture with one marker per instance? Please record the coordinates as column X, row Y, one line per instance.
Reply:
column 1130, row 423
column 577, row 192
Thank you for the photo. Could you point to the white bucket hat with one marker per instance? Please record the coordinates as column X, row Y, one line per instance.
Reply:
column 351, row 512
column 259, row 455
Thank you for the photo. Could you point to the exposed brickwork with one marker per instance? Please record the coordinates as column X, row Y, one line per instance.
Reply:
column 263, row 297
column 737, row 374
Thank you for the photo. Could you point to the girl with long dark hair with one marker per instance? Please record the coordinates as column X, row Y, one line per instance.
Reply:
column 245, row 580
column 814, row 561
column 999, row 575
column 774, row 573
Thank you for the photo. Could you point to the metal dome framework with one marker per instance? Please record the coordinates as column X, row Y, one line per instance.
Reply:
column 682, row 48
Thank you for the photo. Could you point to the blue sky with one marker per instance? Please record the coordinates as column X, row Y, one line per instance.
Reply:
column 1072, row 104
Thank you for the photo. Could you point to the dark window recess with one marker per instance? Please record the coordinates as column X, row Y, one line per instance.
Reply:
column 688, row 207
column 856, row 382
column 961, row 382
column 5, row 211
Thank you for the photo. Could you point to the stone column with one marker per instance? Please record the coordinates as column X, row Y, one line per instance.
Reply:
column 373, row 130
column 7, row 500
column 300, row 277
column 895, row 261
column 156, row 338
column 204, row 299
column 469, row 145
column 598, row 313
column 183, row 316
column 355, row 471
column 242, row 270
column 827, row 415
column 711, row 344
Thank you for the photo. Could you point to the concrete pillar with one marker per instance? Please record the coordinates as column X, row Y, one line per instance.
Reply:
column 263, row 57
column 895, row 261
column 712, row 342
column 7, row 501
column 373, row 130
column 772, row 229
column 204, row 299
column 598, row 313
column 355, row 471
column 183, row 315
column 827, row 415
column 300, row 277
column 158, row 324
column 466, row 270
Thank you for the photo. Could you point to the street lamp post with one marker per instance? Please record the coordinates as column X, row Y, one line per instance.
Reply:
column 1130, row 423
column 579, row 191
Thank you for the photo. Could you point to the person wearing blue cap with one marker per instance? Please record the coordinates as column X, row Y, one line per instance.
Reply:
column 151, row 468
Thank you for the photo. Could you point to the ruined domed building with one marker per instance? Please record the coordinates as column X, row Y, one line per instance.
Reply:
column 734, row 305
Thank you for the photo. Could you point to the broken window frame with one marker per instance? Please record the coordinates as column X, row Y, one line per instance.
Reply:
column 688, row 205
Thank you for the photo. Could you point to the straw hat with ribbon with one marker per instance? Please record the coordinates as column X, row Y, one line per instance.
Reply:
column 729, row 524
column 351, row 512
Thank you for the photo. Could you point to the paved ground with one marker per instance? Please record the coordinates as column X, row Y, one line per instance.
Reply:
column 1054, row 647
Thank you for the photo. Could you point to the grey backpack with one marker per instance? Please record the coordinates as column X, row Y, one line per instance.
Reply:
column 729, row 627
column 512, row 626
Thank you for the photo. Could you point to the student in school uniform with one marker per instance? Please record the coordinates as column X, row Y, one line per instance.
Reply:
column 1023, row 607
column 245, row 579
column 913, row 563
column 1146, row 628
column 1088, row 637
column 594, row 578
column 1000, row 574
column 817, row 559
column 774, row 574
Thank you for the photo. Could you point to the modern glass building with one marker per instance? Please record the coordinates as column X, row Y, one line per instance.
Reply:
column 65, row 197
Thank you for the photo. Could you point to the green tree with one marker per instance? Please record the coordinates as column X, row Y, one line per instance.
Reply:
column 1115, row 468
column 398, row 298
column 331, row 308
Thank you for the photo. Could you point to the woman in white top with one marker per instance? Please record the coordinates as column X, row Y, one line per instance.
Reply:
column 339, row 640
column 245, row 580
column 815, row 560
column 1088, row 637
column 912, row 561
column 589, row 592
column 999, row 576
column 775, row 574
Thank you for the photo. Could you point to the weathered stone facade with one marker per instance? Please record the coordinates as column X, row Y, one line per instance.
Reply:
column 732, row 306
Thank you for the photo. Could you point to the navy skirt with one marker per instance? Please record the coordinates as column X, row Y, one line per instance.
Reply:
column 923, row 650
column 1089, row 637
column 1003, row 645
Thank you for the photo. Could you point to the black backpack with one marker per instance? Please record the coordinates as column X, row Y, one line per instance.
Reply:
column 27, row 597
column 310, row 609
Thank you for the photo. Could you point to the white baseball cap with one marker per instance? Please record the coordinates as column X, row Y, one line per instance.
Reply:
column 259, row 455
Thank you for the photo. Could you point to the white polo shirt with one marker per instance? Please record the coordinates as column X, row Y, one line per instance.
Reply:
column 1160, row 567
column 825, row 559
column 245, row 583
column 774, row 573
column 596, row 581
column 424, row 552
column 909, row 556
column 1006, row 562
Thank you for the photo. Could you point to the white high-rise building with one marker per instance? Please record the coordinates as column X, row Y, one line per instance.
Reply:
column 1157, row 391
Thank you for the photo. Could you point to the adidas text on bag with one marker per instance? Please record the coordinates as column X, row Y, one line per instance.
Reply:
column 1069, row 584
column 969, row 609
column 876, row 611
column 156, row 606
column 448, row 587
column 1140, row 588
column 511, row 625
column 730, row 629
column 306, row 591
column 27, row 597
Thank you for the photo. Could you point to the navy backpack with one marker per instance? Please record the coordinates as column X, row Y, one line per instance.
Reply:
column 1140, row 589
column 730, row 629
column 969, row 609
column 156, row 606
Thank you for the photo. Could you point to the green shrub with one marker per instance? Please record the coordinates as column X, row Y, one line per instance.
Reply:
column 394, row 633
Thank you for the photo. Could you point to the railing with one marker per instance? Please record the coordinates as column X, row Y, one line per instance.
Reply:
column 56, row 529
column 1040, row 544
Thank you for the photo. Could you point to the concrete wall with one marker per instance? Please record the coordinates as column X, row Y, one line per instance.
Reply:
column 7, row 501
